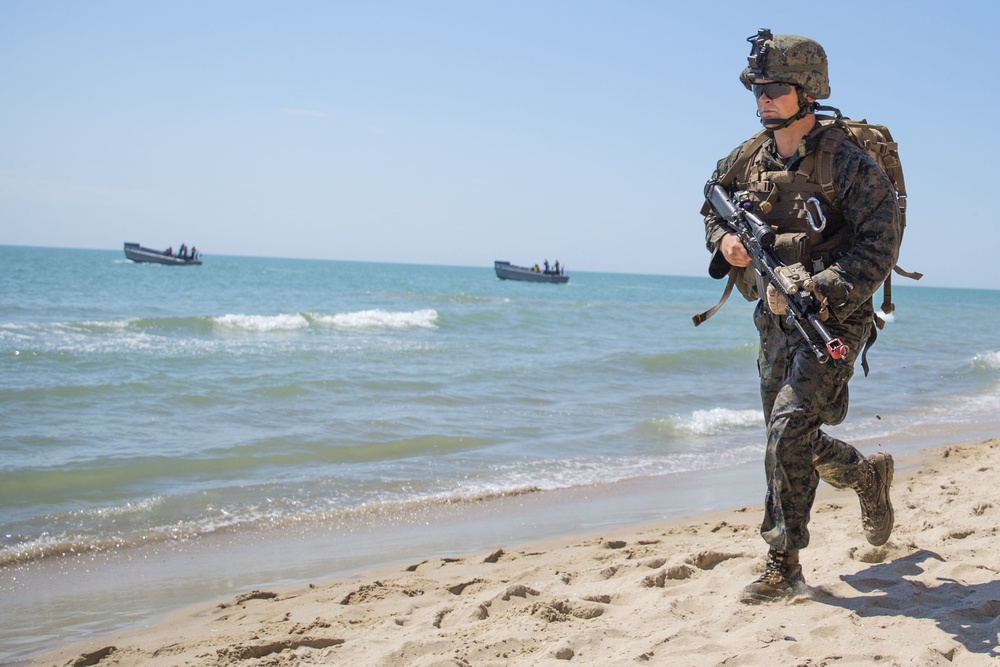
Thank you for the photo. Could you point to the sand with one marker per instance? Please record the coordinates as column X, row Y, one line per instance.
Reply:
column 660, row 594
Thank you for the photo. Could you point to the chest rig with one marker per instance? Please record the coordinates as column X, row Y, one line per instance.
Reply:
column 799, row 202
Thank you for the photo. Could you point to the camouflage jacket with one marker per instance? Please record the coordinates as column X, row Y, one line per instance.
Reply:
column 866, row 203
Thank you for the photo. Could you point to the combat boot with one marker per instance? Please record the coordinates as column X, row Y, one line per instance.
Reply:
column 782, row 576
column 873, row 491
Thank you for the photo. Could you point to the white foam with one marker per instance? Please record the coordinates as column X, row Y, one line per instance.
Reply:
column 718, row 420
column 381, row 319
column 885, row 317
column 263, row 323
column 987, row 360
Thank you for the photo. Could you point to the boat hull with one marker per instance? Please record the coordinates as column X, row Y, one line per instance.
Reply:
column 137, row 253
column 508, row 271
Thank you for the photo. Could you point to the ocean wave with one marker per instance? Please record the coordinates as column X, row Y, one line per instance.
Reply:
column 70, row 334
column 14, row 334
column 74, row 333
column 987, row 360
column 380, row 319
column 150, row 522
column 98, row 325
column 715, row 421
column 553, row 475
column 151, row 325
column 263, row 323
column 67, row 544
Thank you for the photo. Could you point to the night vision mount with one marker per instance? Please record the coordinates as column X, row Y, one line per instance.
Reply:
column 758, row 49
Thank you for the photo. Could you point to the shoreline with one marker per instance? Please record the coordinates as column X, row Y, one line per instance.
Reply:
column 119, row 590
column 663, row 589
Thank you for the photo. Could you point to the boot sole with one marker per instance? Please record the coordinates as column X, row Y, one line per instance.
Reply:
column 886, row 467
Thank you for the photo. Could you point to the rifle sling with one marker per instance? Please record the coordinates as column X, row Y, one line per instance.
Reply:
column 872, row 337
column 698, row 319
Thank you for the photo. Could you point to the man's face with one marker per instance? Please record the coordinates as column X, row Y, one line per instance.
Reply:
column 784, row 104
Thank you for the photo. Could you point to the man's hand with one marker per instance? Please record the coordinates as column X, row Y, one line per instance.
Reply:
column 776, row 301
column 734, row 251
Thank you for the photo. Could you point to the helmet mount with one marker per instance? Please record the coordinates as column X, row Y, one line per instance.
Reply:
column 758, row 48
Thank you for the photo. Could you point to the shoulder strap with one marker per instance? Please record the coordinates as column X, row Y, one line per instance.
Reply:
column 747, row 151
column 833, row 136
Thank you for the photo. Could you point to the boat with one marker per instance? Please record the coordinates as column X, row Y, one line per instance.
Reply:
column 508, row 271
column 137, row 253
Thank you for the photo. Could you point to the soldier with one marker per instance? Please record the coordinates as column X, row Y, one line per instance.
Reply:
column 849, row 257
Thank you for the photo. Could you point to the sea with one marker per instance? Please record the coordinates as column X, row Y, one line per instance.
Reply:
column 171, row 436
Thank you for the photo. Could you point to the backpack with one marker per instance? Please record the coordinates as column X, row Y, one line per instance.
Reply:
column 877, row 141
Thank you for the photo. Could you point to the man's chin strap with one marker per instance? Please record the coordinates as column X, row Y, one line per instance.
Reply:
column 805, row 108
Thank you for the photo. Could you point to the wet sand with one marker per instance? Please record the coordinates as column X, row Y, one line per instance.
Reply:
column 662, row 593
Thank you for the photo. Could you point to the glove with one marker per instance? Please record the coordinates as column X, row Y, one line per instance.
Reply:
column 776, row 302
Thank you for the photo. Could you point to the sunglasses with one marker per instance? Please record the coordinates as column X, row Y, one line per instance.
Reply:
column 773, row 90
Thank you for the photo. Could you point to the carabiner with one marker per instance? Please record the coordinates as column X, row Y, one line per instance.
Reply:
column 819, row 212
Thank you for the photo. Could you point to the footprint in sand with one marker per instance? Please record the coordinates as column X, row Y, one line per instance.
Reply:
column 458, row 589
column 378, row 591
column 706, row 560
column 675, row 573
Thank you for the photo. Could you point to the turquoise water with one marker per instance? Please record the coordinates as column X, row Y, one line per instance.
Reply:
column 146, row 405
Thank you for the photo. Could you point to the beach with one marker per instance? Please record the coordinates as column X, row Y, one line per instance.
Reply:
column 482, row 471
column 661, row 593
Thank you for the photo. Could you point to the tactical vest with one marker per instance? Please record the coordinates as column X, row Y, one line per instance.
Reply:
column 802, row 207
column 800, row 204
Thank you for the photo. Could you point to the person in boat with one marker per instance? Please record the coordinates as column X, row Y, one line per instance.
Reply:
column 535, row 268
column 169, row 251
column 557, row 268
column 182, row 252
column 194, row 252
column 547, row 266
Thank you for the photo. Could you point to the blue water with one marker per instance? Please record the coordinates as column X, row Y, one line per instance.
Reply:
column 144, row 404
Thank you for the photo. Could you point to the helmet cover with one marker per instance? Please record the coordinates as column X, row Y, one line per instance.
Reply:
column 788, row 58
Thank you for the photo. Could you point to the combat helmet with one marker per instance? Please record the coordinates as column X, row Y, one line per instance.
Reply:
column 789, row 58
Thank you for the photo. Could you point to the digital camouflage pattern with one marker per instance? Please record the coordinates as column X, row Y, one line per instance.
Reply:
column 792, row 59
column 798, row 394
column 866, row 205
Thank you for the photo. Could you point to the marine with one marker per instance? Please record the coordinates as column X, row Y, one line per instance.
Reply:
column 848, row 241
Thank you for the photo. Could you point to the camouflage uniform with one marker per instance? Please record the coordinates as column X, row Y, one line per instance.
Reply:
column 798, row 393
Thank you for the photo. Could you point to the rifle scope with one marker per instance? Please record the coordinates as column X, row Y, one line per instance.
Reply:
column 725, row 206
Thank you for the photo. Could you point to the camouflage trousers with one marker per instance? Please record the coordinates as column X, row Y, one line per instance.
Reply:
column 800, row 395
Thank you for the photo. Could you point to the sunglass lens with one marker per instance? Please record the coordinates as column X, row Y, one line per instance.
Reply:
column 773, row 90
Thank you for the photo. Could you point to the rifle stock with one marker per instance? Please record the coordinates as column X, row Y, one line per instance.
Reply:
column 758, row 238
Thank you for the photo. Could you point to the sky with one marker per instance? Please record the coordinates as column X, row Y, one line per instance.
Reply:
column 457, row 132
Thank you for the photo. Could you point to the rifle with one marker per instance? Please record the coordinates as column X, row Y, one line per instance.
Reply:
column 792, row 282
